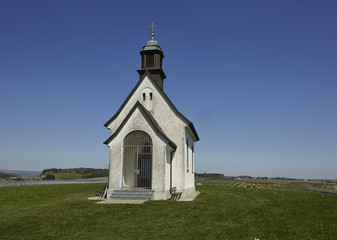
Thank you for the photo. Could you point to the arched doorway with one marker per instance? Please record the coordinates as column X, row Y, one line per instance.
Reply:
column 137, row 162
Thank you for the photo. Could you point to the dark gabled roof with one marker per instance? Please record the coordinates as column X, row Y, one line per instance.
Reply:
column 147, row 116
column 168, row 101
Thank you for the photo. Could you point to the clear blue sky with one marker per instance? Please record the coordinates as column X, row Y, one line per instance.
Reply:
column 257, row 78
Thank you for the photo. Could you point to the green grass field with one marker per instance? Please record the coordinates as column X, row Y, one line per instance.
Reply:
column 219, row 212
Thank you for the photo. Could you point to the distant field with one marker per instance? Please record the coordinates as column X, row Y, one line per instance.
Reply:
column 219, row 212
column 314, row 186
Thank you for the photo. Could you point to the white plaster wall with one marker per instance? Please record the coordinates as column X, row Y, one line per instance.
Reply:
column 159, row 168
column 163, row 114
column 178, row 176
column 183, row 180
column 115, row 165
column 173, row 127
column 189, row 177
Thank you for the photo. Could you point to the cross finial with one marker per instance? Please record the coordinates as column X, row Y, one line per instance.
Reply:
column 152, row 26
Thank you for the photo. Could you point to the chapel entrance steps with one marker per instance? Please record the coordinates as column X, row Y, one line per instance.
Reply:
column 130, row 194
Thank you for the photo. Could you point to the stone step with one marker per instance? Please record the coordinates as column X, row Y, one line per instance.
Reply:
column 130, row 197
column 132, row 194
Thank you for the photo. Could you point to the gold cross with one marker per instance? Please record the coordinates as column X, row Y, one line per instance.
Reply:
column 152, row 26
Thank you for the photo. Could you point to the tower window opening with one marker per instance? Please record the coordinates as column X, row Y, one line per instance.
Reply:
column 150, row 95
column 143, row 96
column 150, row 60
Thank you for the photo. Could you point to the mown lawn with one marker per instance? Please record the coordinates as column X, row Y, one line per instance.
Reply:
column 63, row 212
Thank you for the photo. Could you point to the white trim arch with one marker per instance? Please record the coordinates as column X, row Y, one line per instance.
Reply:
column 137, row 160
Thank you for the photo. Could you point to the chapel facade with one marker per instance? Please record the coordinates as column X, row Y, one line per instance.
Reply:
column 151, row 143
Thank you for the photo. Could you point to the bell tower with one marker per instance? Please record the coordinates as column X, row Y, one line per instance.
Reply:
column 152, row 59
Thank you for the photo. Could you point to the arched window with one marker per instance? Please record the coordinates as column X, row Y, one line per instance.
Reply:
column 192, row 158
column 137, row 160
column 187, row 153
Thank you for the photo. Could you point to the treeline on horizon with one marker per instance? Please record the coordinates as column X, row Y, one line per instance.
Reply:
column 6, row 175
column 85, row 172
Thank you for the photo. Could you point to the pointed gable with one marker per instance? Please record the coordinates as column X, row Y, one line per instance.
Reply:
column 163, row 95
column 148, row 116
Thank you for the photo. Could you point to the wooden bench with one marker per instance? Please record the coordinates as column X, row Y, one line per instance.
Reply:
column 102, row 193
column 174, row 194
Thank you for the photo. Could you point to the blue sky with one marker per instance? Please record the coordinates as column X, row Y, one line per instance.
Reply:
column 257, row 78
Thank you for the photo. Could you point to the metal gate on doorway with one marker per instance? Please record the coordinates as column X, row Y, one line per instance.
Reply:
column 137, row 160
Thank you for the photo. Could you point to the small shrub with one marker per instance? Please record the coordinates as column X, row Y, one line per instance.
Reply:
column 49, row 177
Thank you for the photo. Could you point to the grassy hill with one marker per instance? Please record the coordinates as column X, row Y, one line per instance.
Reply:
column 67, row 175
column 219, row 212
column 20, row 172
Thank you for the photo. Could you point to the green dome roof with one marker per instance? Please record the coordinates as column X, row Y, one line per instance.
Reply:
column 151, row 45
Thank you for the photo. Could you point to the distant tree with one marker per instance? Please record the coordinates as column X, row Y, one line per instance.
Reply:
column 49, row 177
column 245, row 176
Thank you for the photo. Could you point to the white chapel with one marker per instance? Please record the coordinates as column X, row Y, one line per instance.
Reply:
column 151, row 143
